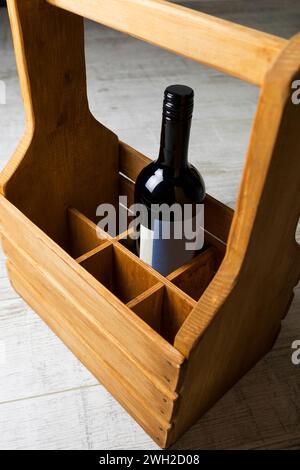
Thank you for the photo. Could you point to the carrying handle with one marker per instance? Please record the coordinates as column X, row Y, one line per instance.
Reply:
column 237, row 50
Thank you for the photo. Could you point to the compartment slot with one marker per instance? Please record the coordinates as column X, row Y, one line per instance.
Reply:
column 164, row 309
column 119, row 273
column 148, row 306
column 175, row 309
column 84, row 235
column 194, row 277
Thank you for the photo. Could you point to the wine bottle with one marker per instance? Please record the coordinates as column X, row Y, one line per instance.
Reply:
column 168, row 181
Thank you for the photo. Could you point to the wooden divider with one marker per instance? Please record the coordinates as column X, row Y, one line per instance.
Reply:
column 121, row 274
column 164, row 303
column 148, row 306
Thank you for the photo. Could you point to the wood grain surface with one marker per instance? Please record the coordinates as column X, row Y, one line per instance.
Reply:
column 236, row 50
column 47, row 399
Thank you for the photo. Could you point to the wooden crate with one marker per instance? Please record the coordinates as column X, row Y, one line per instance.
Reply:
column 166, row 348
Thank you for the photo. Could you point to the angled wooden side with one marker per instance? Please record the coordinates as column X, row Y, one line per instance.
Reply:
column 65, row 152
column 238, row 317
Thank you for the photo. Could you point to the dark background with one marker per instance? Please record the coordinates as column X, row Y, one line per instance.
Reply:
column 2, row 3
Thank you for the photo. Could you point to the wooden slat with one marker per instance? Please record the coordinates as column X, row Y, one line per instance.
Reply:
column 131, row 161
column 126, row 188
column 236, row 50
column 217, row 218
column 113, row 381
column 89, row 254
column 153, row 353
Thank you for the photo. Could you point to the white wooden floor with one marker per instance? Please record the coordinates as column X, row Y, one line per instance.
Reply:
column 48, row 400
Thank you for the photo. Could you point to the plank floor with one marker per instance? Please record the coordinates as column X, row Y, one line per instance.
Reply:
column 48, row 400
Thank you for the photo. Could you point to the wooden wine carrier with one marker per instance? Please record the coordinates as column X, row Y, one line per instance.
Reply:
column 166, row 348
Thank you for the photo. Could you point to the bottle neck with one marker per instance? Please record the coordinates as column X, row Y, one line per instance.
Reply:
column 174, row 143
